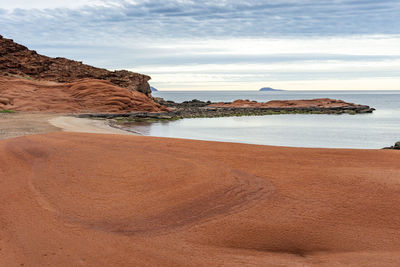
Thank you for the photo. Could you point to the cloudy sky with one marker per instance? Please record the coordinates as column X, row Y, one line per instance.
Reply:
column 220, row 45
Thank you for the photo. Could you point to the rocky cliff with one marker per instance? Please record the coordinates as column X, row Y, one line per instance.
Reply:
column 16, row 59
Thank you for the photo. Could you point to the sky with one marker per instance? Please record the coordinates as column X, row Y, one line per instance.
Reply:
column 220, row 45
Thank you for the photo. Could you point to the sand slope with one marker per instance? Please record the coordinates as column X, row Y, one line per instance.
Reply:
column 72, row 199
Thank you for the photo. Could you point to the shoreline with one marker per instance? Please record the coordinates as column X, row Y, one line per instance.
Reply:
column 218, row 112
column 85, row 125
column 22, row 124
column 201, row 109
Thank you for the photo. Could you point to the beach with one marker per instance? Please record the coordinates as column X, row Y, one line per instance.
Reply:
column 80, row 186
column 93, row 200
column 21, row 124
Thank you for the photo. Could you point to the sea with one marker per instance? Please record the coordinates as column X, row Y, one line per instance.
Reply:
column 362, row 131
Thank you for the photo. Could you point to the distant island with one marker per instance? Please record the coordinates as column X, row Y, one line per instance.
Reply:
column 269, row 89
column 153, row 89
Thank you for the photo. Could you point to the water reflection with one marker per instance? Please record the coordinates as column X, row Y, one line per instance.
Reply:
column 377, row 130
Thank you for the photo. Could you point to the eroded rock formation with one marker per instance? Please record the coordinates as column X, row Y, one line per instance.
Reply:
column 16, row 59
column 85, row 95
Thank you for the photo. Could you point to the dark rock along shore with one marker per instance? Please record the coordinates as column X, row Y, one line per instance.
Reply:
column 200, row 109
column 396, row 146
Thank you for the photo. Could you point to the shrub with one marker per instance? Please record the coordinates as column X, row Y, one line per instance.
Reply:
column 6, row 111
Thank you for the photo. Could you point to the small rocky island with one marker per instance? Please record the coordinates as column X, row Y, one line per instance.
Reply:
column 201, row 109
column 269, row 89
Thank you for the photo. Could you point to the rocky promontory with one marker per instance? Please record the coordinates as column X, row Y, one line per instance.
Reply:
column 30, row 82
column 318, row 103
column 201, row 109
column 18, row 60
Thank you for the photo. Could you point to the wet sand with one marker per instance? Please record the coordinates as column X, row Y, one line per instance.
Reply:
column 74, row 199
column 83, row 125
column 21, row 124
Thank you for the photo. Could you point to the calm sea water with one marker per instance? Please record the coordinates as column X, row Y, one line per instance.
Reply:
column 377, row 130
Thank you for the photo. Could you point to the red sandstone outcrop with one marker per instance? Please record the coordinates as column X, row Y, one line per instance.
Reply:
column 85, row 95
column 309, row 103
column 16, row 59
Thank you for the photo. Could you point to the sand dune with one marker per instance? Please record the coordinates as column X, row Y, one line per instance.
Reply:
column 73, row 199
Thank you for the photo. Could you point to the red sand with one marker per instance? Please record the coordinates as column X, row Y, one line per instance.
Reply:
column 306, row 103
column 86, row 95
column 109, row 200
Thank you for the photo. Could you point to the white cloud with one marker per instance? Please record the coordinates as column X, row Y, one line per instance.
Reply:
column 48, row 4
column 278, row 67
column 199, row 83
column 219, row 44
column 323, row 63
